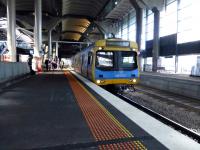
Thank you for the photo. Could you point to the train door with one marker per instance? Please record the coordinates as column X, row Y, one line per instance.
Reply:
column 89, row 65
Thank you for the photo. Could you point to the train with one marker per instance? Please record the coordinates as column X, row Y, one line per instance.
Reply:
column 109, row 62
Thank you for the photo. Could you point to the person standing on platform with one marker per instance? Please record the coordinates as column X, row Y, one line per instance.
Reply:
column 61, row 64
column 47, row 64
column 30, row 64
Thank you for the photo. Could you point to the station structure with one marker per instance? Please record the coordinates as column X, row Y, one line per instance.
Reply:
column 60, row 109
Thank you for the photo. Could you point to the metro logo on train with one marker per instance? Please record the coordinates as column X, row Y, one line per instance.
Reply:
column 109, row 62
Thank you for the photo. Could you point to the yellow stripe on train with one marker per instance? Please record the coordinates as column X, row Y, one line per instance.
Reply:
column 116, row 81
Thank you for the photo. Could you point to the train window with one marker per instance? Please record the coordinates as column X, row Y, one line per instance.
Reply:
column 127, row 60
column 104, row 59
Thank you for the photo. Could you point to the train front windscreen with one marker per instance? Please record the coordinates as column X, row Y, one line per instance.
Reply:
column 116, row 60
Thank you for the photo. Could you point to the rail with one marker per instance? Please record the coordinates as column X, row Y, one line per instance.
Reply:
column 162, row 118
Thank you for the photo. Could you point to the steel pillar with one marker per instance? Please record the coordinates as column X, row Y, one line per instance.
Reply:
column 156, row 39
column 38, row 27
column 139, row 15
column 57, row 49
column 49, row 45
column 11, row 29
column 176, row 53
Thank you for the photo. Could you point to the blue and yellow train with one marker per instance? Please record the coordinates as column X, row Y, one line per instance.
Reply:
column 109, row 62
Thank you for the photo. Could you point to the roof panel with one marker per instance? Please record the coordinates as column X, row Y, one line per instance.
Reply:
column 87, row 8
column 120, row 10
column 75, row 25
column 71, row 36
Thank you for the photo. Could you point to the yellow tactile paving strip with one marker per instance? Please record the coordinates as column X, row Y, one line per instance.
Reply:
column 103, row 125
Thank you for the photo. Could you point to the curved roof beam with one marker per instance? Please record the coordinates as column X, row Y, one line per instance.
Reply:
column 67, row 16
column 70, row 31
column 76, row 17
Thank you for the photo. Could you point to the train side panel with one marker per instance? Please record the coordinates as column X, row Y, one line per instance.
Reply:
column 83, row 63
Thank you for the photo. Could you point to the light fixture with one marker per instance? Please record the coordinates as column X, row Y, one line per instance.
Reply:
column 100, row 48
column 133, row 80
column 98, row 81
column 116, row 2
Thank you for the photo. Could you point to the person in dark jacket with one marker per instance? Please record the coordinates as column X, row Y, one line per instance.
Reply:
column 47, row 64
column 30, row 64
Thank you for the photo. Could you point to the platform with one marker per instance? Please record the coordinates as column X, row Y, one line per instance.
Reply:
column 184, row 85
column 61, row 111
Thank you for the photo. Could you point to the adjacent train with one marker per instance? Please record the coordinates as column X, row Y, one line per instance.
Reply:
column 109, row 62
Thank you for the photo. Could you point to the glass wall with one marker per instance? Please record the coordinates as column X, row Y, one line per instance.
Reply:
column 143, row 36
column 132, row 26
column 186, row 62
column 149, row 25
column 168, row 18
column 119, row 29
column 179, row 17
column 188, row 21
column 125, row 28
column 167, row 64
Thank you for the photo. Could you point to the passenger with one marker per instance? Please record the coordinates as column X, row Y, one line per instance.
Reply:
column 30, row 64
column 47, row 64
column 61, row 64
column 54, row 64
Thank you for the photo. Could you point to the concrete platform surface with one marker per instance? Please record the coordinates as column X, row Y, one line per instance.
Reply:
column 54, row 111
column 41, row 112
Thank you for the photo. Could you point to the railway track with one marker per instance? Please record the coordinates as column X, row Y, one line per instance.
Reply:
column 162, row 118
column 178, row 100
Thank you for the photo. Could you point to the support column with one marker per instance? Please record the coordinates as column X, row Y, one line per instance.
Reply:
column 11, row 29
column 145, row 58
column 121, row 27
column 49, row 45
column 139, row 15
column 57, row 49
column 156, row 39
column 176, row 53
column 38, row 27
column 176, row 63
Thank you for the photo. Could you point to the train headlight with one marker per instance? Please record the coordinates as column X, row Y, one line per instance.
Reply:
column 100, row 48
column 98, row 81
column 133, row 80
